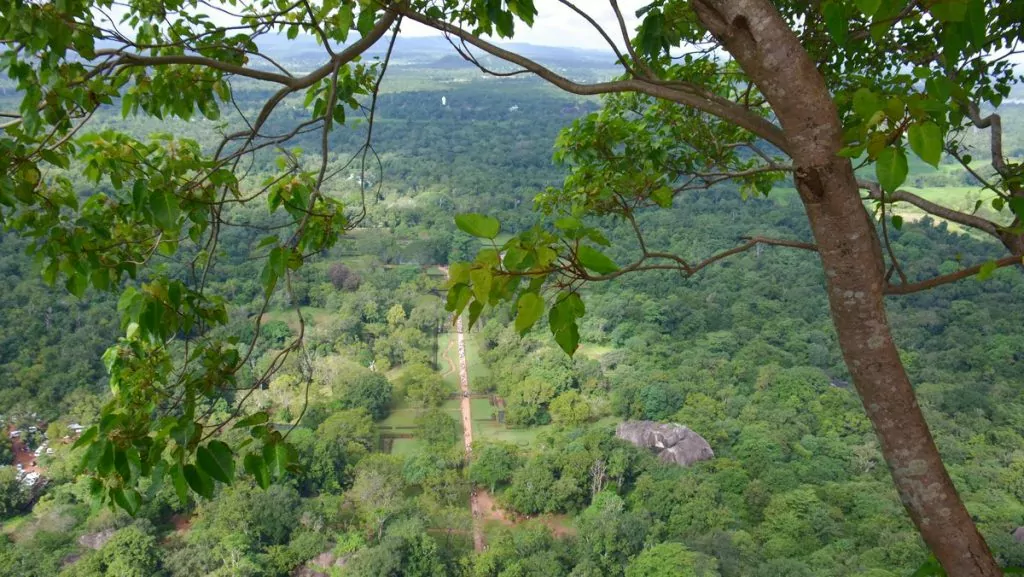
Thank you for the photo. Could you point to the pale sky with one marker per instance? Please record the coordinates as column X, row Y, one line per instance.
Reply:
column 557, row 25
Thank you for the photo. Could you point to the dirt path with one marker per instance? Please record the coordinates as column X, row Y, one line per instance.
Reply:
column 467, row 428
column 467, row 435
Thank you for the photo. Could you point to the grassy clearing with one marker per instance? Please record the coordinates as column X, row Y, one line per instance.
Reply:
column 592, row 351
column 10, row 526
column 406, row 447
column 481, row 409
column 474, row 365
column 311, row 315
column 400, row 419
column 492, row 431
column 448, row 355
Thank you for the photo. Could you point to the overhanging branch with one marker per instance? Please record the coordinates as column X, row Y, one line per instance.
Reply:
column 969, row 220
column 679, row 92
column 904, row 289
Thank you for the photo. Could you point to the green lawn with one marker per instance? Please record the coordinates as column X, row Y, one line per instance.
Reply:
column 446, row 342
column 492, row 431
column 400, row 418
column 481, row 409
column 474, row 365
column 406, row 447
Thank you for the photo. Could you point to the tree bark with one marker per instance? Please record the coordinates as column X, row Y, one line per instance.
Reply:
column 769, row 52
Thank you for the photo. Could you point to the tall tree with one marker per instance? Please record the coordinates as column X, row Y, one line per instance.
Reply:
column 712, row 90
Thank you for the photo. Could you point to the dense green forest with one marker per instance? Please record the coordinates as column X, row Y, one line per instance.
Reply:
column 744, row 354
column 286, row 292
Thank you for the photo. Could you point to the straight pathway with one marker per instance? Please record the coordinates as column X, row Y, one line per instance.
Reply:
column 467, row 429
column 467, row 435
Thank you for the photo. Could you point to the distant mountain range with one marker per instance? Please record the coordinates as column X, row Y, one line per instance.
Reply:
column 437, row 52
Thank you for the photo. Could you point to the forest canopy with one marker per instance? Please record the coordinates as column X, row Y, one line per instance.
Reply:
column 203, row 235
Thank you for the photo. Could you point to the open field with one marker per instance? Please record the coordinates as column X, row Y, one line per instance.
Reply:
column 404, row 416
column 406, row 447
column 311, row 315
column 482, row 409
column 594, row 351
column 474, row 365
column 492, row 431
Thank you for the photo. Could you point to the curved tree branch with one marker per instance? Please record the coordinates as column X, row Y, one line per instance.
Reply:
column 680, row 92
column 905, row 289
column 968, row 220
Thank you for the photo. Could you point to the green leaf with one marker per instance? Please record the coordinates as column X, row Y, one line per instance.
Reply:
column 106, row 463
column 897, row 221
column 949, row 10
column 257, row 467
column 121, row 465
column 478, row 225
column 595, row 260
column 276, row 457
column 219, row 466
column 977, row 22
column 180, row 485
column 165, row 209
column 562, row 321
column 475, row 308
column 836, row 21
column 891, row 168
column 86, row 437
column 54, row 158
column 986, row 270
column 868, row 7
column 926, row 141
column 458, row 297
column 662, row 196
column 564, row 329
column 199, row 481
column 568, row 223
column 529, row 308
column 458, row 273
column 481, row 278
column 253, row 419
column 128, row 500
column 1017, row 206
column 865, row 103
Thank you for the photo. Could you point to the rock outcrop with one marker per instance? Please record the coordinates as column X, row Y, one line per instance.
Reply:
column 97, row 540
column 320, row 566
column 1018, row 534
column 672, row 442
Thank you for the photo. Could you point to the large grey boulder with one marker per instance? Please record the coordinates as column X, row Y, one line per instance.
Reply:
column 96, row 540
column 320, row 565
column 672, row 442
column 1018, row 534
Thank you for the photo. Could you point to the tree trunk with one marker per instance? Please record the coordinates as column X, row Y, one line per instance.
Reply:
column 851, row 257
column 769, row 52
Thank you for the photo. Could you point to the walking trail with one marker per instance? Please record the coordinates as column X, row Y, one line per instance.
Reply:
column 467, row 434
column 467, row 430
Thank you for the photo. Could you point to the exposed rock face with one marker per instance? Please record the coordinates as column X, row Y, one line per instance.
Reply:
column 320, row 565
column 96, row 541
column 1018, row 534
column 673, row 443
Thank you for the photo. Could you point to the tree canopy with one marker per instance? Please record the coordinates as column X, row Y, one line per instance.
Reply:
column 746, row 91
